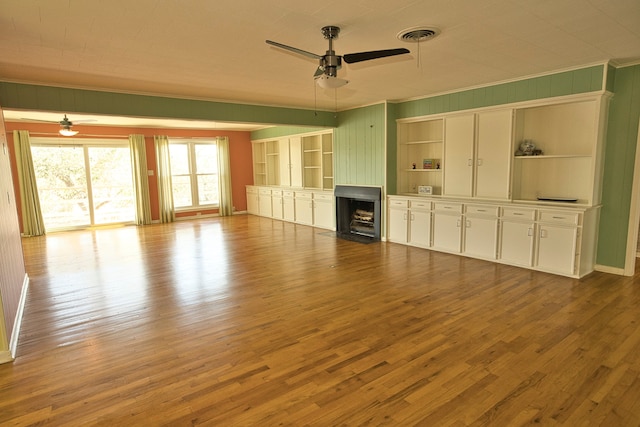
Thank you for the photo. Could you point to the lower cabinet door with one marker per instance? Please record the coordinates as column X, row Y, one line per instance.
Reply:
column 324, row 215
column 304, row 211
column 516, row 243
column 397, row 231
column 420, row 228
column 288, row 209
column 447, row 233
column 557, row 249
column 276, row 207
column 481, row 237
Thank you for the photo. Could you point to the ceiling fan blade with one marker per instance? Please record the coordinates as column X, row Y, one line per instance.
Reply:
column 319, row 72
column 350, row 58
column 294, row 49
column 38, row 120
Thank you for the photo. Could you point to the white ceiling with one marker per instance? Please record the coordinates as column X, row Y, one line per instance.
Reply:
column 216, row 50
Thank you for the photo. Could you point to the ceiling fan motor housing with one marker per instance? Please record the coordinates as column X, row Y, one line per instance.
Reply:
column 331, row 64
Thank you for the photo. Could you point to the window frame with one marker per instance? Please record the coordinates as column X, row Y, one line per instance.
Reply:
column 193, row 174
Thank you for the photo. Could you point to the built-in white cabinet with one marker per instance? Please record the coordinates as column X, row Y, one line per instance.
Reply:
column 252, row 200
column 481, row 231
column 297, row 161
column 277, row 207
column 264, row 202
column 419, row 223
column 314, row 208
column 290, row 161
column 397, row 220
column 288, row 206
column 517, row 230
column 447, row 226
column 554, row 240
column 477, row 154
column 409, row 222
column 324, row 212
column 303, row 201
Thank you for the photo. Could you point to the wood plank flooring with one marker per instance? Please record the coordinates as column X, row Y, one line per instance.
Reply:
column 245, row 321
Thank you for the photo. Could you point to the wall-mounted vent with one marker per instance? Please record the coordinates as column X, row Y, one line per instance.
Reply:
column 418, row 34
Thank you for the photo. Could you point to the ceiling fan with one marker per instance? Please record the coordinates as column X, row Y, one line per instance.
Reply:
column 327, row 73
column 65, row 125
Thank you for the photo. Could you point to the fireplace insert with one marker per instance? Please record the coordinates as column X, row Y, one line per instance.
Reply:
column 358, row 212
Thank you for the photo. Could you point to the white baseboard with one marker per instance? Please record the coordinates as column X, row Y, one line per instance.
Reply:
column 15, row 334
column 607, row 269
column 5, row 357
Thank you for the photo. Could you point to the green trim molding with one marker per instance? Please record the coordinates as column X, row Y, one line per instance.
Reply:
column 59, row 99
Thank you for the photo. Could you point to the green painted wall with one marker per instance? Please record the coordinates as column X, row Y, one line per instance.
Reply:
column 359, row 146
column 280, row 131
column 566, row 83
column 620, row 150
column 47, row 98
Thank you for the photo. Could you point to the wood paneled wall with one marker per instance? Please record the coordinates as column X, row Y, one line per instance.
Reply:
column 12, row 270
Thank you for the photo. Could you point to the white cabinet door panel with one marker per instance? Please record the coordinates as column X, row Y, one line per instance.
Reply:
column 447, row 232
column 557, row 248
column 493, row 154
column 517, row 243
column 481, row 237
column 420, row 228
column 397, row 231
column 458, row 155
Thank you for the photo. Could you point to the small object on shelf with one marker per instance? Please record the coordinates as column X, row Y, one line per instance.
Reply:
column 414, row 166
column 425, row 189
column 557, row 199
column 430, row 163
column 526, row 148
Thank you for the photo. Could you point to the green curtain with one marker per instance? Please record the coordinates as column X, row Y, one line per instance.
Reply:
column 165, row 191
column 32, row 221
column 140, row 179
column 224, row 178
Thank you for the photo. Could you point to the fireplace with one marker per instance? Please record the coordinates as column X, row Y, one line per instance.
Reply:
column 358, row 212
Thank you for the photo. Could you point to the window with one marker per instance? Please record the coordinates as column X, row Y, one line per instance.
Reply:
column 84, row 183
column 194, row 174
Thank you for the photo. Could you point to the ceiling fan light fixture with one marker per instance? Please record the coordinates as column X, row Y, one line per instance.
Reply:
column 330, row 82
column 66, row 131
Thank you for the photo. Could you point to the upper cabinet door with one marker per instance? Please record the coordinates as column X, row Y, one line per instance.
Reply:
column 493, row 154
column 458, row 155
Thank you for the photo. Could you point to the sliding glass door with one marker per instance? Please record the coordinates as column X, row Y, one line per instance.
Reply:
column 83, row 184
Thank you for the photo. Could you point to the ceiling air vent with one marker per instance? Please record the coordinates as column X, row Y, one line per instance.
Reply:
column 418, row 34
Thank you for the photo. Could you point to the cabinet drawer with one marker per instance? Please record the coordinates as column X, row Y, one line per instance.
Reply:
column 482, row 210
column 318, row 196
column 287, row 193
column 276, row 193
column 398, row 203
column 559, row 217
column 265, row 192
column 252, row 190
column 301, row 195
column 417, row 204
column 518, row 213
column 448, row 207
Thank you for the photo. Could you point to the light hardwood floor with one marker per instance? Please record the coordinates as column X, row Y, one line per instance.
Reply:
column 245, row 321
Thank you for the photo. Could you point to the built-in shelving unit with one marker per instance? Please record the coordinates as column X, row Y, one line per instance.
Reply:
column 304, row 160
column 419, row 141
column 259, row 164
column 565, row 166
